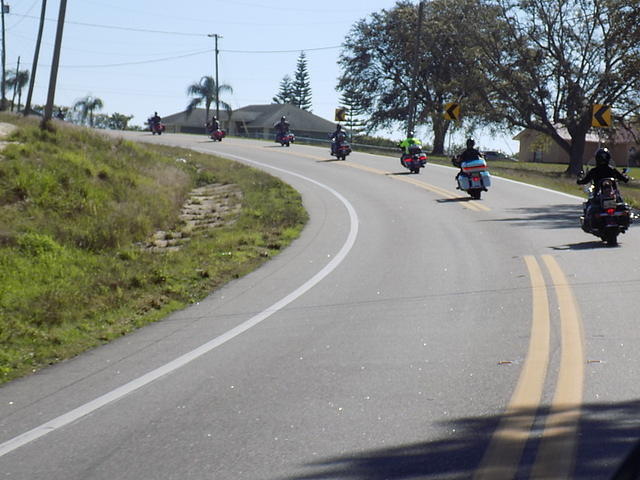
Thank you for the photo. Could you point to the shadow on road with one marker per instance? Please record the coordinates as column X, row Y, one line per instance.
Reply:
column 328, row 160
column 454, row 200
column 595, row 244
column 553, row 216
column 608, row 434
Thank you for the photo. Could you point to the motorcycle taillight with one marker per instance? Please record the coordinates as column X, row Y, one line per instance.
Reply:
column 475, row 179
column 611, row 211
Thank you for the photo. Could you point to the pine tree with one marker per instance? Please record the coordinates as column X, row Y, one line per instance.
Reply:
column 302, row 85
column 355, row 124
column 285, row 94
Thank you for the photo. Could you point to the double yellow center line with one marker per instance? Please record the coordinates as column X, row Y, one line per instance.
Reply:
column 556, row 450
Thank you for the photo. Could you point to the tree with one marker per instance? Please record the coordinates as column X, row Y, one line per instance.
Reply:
column 301, row 84
column 17, row 79
column 86, row 106
column 207, row 91
column 350, row 100
column 553, row 59
column 379, row 66
column 286, row 92
column 118, row 121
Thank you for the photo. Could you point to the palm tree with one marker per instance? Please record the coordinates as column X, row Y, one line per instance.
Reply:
column 17, row 80
column 206, row 91
column 86, row 106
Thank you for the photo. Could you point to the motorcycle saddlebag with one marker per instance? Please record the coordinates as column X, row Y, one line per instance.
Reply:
column 477, row 165
column 463, row 182
column 486, row 179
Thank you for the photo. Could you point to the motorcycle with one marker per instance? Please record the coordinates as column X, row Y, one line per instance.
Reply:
column 473, row 177
column 285, row 139
column 606, row 214
column 340, row 148
column 157, row 127
column 414, row 160
column 218, row 135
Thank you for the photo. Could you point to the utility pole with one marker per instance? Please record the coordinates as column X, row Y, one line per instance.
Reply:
column 416, row 68
column 15, row 86
column 3, row 101
column 48, row 109
column 216, row 37
column 34, row 66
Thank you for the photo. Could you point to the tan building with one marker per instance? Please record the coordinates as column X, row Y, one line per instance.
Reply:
column 538, row 147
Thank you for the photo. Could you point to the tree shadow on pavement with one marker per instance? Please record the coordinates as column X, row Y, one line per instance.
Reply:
column 607, row 435
column 553, row 216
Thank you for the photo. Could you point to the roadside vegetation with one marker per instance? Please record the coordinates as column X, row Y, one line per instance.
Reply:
column 74, row 210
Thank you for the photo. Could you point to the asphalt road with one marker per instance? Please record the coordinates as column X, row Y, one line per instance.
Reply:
column 408, row 333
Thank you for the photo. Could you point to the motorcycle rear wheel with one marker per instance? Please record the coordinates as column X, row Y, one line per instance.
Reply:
column 475, row 193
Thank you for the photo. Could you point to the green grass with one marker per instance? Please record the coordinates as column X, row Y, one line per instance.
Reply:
column 73, row 206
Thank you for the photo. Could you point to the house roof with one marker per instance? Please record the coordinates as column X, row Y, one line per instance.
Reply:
column 196, row 119
column 258, row 116
column 621, row 135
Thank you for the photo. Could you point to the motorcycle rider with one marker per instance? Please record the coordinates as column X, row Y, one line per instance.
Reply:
column 337, row 137
column 155, row 120
column 407, row 143
column 601, row 171
column 213, row 125
column 470, row 153
column 282, row 128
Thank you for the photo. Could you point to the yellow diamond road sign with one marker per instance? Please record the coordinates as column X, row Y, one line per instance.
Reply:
column 452, row 111
column 601, row 115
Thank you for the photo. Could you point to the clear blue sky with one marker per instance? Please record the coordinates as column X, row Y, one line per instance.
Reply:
column 140, row 56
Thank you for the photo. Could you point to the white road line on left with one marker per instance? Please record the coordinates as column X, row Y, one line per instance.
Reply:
column 118, row 393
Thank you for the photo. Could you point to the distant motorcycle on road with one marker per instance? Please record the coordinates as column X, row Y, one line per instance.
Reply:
column 473, row 177
column 217, row 135
column 414, row 160
column 606, row 214
column 340, row 148
column 285, row 139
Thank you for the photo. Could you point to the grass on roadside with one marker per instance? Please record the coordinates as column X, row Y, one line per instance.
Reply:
column 73, row 205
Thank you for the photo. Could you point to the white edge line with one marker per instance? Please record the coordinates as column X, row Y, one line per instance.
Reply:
column 118, row 393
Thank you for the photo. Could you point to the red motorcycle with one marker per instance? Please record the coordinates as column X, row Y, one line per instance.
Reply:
column 158, row 128
column 285, row 139
column 218, row 135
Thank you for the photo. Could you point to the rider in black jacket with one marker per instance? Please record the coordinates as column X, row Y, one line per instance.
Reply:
column 602, row 170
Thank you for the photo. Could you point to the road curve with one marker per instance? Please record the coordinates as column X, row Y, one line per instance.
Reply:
column 408, row 333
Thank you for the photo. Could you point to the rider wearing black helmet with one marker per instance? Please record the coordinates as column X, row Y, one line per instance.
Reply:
column 282, row 128
column 471, row 153
column 602, row 170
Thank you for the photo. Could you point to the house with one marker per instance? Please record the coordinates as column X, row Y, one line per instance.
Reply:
column 538, row 147
column 255, row 121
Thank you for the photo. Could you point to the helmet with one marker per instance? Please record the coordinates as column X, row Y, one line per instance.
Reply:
column 338, row 127
column 283, row 118
column 470, row 143
column 411, row 133
column 603, row 157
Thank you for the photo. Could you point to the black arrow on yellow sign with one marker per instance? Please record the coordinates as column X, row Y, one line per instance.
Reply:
column 601, row 115
column 452, row 111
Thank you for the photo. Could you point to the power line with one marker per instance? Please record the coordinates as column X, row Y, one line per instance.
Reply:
column 333, row 47
column 115, row 27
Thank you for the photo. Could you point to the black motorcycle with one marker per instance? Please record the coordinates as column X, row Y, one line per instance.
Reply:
column 606, row 214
